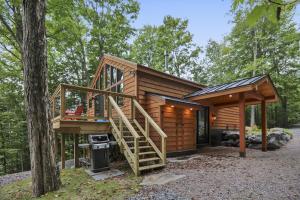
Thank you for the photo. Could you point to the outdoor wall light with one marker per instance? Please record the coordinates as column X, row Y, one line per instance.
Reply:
column 191, row 108
column 230, row 96
column 213, row 117
column 172, row 106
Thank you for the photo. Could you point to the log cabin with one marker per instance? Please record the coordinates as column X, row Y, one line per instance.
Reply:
column 152, row 114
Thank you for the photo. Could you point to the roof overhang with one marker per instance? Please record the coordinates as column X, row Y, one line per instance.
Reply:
column 179, row 103
column 255, row 93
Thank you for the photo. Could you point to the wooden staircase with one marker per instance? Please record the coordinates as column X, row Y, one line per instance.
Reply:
column 135, row 143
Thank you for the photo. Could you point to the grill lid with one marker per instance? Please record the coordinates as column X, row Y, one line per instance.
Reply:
column 98, row 139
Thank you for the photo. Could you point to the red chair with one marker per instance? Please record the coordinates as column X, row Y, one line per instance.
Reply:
column 77, row 112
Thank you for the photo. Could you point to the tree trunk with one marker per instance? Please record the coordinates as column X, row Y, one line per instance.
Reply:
column 284, row 112
column 41, row 136
column 252, row 121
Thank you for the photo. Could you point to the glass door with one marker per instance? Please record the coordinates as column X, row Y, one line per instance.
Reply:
column 99, row 106
column 202, row 126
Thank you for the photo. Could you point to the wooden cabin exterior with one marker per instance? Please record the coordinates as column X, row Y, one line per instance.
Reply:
column 162, row 96
column 151, row 112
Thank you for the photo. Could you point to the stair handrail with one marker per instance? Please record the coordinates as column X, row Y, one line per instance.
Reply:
column 136, row 136
column 149, row 120
column 124, row 118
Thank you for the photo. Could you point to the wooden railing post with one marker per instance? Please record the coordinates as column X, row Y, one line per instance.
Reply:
column 109, row 109
column 121, row 131
column 164, row 149
column 136, row 152
column 53, row 108
column 147, row 127
column 62, row 151
column 132, row 109
column 62, row 101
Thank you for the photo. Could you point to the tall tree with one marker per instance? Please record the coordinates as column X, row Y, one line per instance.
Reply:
column 41, row 136
column 264, row 48
column 171, row 37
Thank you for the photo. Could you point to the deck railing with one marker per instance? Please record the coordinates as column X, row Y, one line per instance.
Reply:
column 66, row 97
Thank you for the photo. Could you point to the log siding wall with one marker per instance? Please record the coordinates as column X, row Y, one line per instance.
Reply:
column 227, row 118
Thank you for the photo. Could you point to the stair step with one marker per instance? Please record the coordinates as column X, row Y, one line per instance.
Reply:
column 132, row 142
column 142, row 147
column 149, row 159
column 147, row 153
column 151, row 167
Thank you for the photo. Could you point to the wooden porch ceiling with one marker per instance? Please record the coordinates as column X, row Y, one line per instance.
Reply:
column 254, row 93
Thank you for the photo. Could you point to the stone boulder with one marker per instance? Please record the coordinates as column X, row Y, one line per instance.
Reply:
column 276, row 138
column 253, row 139
column 231, row 135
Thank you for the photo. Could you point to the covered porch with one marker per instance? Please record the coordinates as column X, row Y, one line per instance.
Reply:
column 250, row 91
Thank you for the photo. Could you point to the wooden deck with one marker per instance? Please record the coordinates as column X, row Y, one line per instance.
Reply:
column 81, row 127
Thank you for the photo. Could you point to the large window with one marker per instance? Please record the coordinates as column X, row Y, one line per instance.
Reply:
column 111, row 78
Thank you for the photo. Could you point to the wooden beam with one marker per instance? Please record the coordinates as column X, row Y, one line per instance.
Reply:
column 62, row 151
column 76, row 151
column 242, row 125
column 254, row 95
column 263, row 126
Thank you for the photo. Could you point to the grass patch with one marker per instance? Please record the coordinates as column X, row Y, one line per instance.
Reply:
column 76, row 184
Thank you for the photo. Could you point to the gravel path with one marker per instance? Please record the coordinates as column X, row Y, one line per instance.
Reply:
column 8, row 178
column 219, row 173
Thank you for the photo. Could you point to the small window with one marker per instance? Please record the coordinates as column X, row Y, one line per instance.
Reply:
column 108, row 76
column 113, row 75
column 119, row 75
column 120, row 88
column 102, row 83
column 90, row 102
column 98, row 84
column 114, row 89
column 120, row 100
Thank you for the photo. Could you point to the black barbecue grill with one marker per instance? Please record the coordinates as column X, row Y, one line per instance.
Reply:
column 99, row 152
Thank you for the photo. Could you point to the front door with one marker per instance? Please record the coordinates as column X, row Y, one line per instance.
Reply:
column 202, row 126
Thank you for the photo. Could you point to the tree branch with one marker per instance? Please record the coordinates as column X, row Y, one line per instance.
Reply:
column 8, row 27
column 282, row 4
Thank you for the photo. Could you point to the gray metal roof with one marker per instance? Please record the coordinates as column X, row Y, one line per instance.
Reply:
column 226, row 86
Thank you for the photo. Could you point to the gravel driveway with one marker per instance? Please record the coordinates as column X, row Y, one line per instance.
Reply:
column 219, row 173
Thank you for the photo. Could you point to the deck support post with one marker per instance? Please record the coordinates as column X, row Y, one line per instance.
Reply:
column 263, row 126
column 76, row 151
column 62, row 151
column 242, row 125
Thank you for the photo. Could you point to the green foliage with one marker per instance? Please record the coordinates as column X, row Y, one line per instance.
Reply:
column 273, row 10
column 78, row 33
column 173, row 38
column 76, row 184
column 265, row 48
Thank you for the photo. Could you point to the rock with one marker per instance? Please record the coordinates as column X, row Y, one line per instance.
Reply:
column 254, row 146
column 232, row 135
column 273, row 143
column 160, row 179
column 276, row 130
column 254, row 139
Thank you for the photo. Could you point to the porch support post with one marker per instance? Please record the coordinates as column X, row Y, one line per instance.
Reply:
column 242, row 125
column 62, row 151
column 76, row 151
column 263, row 126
